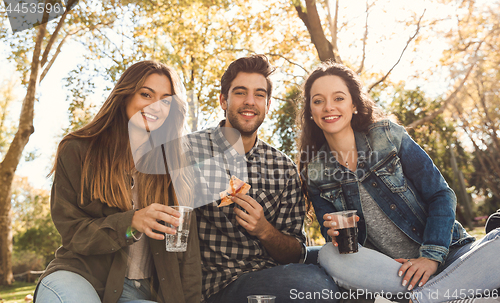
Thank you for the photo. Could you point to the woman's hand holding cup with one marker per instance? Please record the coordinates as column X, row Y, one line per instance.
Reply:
column 146, row 220
column 332, row 227
column 332, row 223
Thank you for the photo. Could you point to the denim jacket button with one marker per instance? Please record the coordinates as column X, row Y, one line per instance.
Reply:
column 361, row 165
column 393, row 206
column 390, row 170
column 413, row 229
column 374, row 184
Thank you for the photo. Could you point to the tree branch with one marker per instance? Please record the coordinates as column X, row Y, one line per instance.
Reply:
column 303, row 16
column 284, row 100
column 447, row 101
column 53, row 59
column 288, row 60
column 55, row 34
column 313, row 23
column 333, row 27
column 59, row 47
column 267, row 54
column 365, row 37
column 489, row 173
column 25, row 128
column 114, row 44
column 400, row 56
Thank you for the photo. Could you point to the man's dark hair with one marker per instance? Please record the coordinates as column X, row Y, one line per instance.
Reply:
column 252, row 64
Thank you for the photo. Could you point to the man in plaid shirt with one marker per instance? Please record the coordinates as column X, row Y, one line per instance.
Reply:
column 245, row 245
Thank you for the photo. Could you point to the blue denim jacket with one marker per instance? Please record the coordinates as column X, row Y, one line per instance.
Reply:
column 402, row 180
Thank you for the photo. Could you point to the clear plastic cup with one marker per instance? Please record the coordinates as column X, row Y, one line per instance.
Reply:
column 178, row 242
column 261, row 299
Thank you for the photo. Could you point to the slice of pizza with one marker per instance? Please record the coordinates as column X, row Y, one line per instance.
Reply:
column 236, row 186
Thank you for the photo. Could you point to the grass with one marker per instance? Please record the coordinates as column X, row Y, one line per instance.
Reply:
column 16, row 292
column 477, row 232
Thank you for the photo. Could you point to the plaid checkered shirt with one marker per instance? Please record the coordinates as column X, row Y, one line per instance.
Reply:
column 227, row 249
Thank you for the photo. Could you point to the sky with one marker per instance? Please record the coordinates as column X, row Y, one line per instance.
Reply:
column 388, row 37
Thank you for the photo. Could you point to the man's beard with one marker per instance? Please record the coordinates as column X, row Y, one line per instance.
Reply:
column 245, row 130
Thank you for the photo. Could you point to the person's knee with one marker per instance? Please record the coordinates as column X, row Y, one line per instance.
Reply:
column 65, row 286
column 326, row 253
column 314, row 275
column 494, row 233
column 315, row 284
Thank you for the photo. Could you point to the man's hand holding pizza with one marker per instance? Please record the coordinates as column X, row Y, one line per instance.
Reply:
column 283, row 248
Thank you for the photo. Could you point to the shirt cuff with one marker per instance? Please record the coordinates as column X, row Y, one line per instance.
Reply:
column 134, row 234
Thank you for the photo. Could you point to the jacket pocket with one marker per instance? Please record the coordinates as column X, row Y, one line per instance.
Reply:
column 391, row 173
column 333, row 194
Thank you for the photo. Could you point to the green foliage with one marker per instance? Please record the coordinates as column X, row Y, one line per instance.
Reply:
column 479, row 177
column 34, row 233
column 32, row 155
column 198, row 38
column 42, row 240
column 473, row 43
column 436, row 137
column 313, row 232
column 80, row 82
column 285, row 126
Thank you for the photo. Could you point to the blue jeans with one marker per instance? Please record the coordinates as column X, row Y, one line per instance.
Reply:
column 468, row 271
column 68, row 287
column 289, row 283
column 312, row 255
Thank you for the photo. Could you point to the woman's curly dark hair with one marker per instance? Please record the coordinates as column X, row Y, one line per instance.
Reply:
column 311, row 137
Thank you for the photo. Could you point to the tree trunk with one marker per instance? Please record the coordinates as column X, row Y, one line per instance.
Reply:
column 9, row 164
column 192, row 101
column 464, row 195
column 6, row 277
column 13, row 156
column 313, row 23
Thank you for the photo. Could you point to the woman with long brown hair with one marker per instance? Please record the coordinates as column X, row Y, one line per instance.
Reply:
column 113, row 187
column 411, row 246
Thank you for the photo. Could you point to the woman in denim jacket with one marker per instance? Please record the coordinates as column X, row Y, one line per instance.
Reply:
column 411, row 244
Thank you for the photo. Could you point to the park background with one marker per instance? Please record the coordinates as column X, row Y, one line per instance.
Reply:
column 432, row 64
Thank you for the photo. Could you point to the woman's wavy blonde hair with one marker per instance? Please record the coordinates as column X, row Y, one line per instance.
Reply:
column 108, row 163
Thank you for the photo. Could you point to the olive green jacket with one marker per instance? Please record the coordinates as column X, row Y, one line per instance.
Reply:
column 94, row 235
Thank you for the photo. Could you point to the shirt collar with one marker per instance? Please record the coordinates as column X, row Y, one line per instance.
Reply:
column 226, row 147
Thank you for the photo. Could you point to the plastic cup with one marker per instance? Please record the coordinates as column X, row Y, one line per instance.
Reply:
column 348, row 231
column 261, row 299
column 178, row 242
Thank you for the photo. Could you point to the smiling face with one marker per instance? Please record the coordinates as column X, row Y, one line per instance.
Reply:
column 331, row 105
column 150, row 105
column 246, row 104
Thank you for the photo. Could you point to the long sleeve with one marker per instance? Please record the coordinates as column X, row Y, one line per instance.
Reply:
column 91, row 227
column 439, row 198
